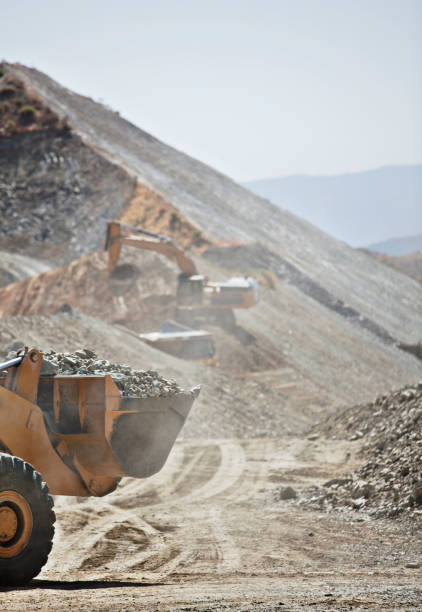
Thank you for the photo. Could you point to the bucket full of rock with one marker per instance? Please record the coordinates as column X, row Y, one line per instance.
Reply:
column 84, row 422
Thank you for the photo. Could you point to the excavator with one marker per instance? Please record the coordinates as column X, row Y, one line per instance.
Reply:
column 198, row 299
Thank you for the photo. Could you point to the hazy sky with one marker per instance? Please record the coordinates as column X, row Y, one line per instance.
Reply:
column 253, row 88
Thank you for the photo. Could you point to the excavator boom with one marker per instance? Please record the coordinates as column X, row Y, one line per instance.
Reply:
column 120, row 233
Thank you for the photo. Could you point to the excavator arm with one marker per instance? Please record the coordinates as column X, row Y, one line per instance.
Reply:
column 119, row 234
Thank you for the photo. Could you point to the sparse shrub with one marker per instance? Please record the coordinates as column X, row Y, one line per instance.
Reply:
column 27, row 114
column 18, row 101
column 173, row 220
column 4, row 107
column 1, row 72
column 10, row 124
column 27, row 110
column 7, row 92
column 197, row 237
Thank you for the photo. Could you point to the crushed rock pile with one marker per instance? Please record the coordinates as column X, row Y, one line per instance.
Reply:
column 135, row 383
column 390, row 481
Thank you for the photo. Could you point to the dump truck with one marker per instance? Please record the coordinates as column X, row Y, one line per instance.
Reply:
column 69, row 435
column 198, row 300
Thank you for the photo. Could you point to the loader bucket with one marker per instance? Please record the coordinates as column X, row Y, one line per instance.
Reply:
column 143, row 436
column 82, row 434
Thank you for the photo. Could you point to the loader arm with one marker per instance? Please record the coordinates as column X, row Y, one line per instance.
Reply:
column 119, row 234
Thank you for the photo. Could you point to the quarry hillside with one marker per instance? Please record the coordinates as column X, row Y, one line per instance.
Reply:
column 221, row 209
column 327, row 332
column 316, row 385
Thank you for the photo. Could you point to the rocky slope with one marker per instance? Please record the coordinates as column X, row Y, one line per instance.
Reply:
column 327, row 333
column 223, row 210
column 56, row 193
column 390, row 481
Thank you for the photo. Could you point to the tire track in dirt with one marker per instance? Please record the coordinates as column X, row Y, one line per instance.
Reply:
column 183, row 516
column 101, row 541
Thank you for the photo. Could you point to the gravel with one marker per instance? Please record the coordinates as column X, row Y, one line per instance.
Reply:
column 389, row 483
column 131, row 382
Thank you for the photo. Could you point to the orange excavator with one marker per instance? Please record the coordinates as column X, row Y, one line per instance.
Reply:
column 198, row 299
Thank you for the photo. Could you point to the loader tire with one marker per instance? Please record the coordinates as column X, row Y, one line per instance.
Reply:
column 26, row 521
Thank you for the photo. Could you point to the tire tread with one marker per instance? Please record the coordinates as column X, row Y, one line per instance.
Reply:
column 19, row 475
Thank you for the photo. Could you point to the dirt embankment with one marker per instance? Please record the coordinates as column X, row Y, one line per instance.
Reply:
column 84, row 285
column 389, row 483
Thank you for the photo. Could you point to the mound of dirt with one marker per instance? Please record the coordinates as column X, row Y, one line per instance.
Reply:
column 140, row 294
column 390, row 480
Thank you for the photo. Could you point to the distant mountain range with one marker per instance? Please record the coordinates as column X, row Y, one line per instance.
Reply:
column 362, row 208
column 398, row 246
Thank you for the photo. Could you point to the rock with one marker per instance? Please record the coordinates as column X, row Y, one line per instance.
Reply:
column 65, row 309
column 287, row 493
column 135, row 383
column 48, row 368
column 363, row 491
column 417, row 494
column 85, row 353
column 338, row 481
column 69, row 362
column 358, row 503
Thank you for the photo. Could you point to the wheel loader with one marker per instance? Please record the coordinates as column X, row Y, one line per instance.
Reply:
column 199, row 300
column 69, row 435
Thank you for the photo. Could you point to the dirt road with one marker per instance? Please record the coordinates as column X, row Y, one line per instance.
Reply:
column 209, row 532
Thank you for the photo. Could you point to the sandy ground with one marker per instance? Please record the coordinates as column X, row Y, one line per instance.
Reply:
column 209, row 532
